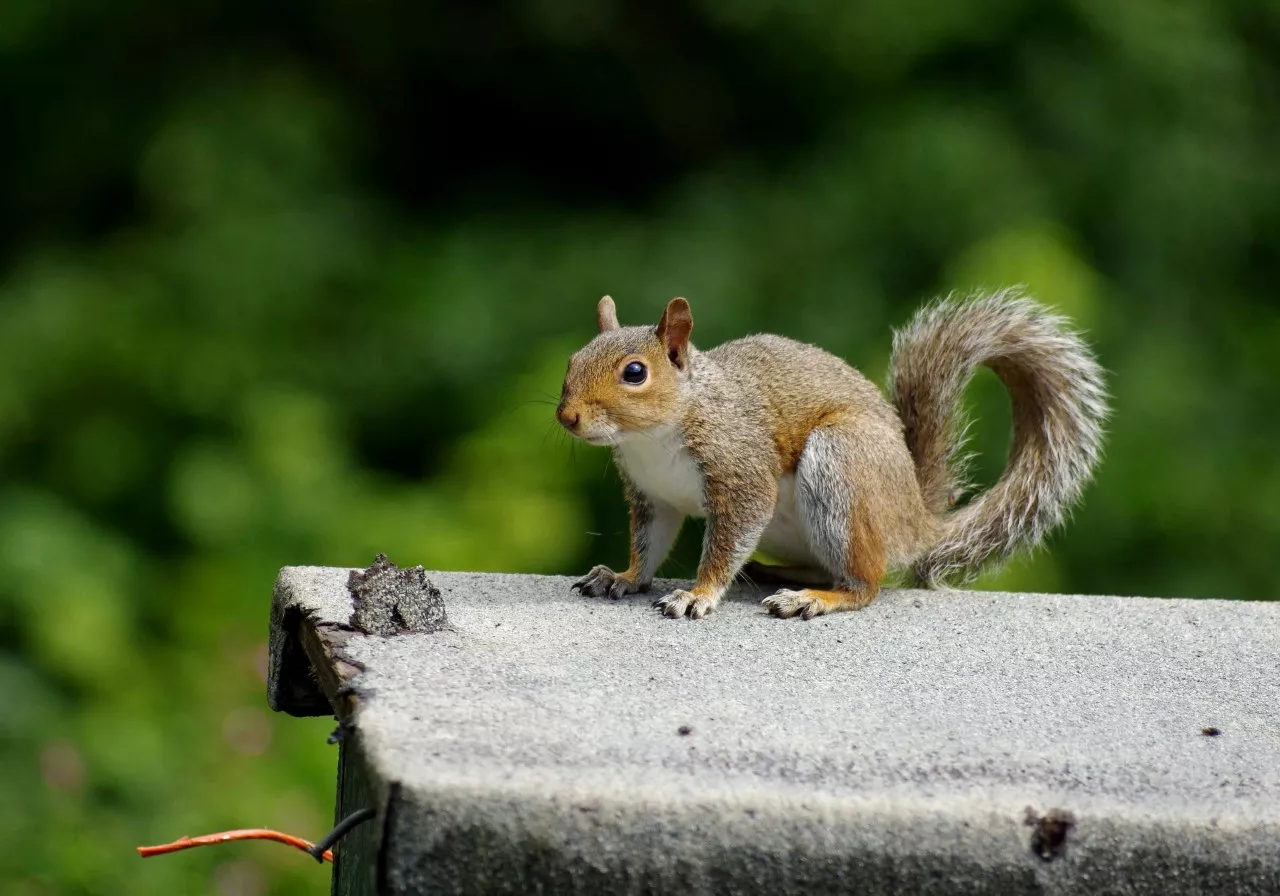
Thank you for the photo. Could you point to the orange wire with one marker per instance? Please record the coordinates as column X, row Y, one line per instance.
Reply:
column 228, row 836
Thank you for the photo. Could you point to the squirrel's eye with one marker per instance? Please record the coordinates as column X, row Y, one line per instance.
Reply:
column 634, row 373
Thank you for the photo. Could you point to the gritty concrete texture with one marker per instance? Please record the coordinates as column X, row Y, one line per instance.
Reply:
column 916, row 746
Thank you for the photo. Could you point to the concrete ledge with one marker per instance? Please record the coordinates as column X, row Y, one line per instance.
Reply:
column 548, row 742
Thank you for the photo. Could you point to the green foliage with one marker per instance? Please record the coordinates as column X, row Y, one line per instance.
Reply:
column 297, row 285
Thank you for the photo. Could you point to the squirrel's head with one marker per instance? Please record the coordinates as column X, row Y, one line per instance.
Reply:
column 628, row 378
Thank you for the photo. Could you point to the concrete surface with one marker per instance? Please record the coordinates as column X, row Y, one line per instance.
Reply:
column 536, row 746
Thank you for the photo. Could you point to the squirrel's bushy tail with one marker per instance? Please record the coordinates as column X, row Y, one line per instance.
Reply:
column 1058, row 407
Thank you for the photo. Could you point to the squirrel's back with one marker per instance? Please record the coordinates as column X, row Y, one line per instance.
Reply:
column 799, row 386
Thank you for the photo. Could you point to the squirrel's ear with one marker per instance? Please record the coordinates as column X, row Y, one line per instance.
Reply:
column 606, row 314
column 674, row 330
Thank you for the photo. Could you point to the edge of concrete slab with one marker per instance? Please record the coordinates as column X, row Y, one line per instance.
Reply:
column 499, row 839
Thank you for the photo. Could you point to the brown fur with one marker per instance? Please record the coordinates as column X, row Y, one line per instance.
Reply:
column 871, row 482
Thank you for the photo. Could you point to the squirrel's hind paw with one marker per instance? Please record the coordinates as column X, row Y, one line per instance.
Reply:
column 809, row 602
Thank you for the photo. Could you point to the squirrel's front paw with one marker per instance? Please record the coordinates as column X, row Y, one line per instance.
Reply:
column 602, row 581
column 680, row 603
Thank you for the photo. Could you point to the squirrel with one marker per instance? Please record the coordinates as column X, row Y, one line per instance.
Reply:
column 785, row 448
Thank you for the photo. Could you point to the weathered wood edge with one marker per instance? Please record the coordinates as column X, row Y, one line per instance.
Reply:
column 323, row 644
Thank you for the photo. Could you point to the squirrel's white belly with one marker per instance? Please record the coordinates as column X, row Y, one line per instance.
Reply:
column 784, row 538
column 659, row 464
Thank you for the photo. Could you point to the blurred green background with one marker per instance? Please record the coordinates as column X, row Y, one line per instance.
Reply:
column 295, row 283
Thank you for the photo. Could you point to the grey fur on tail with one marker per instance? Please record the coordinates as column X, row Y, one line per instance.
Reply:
column 1059, row 406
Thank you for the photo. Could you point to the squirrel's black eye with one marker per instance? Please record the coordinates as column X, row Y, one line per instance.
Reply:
column 634, row 373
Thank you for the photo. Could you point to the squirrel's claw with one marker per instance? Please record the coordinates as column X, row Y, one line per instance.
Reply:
column 810, row 602
column 787, row 603
column 681, row 603
column 596, row 582
column 604, row 582
column 674, row 604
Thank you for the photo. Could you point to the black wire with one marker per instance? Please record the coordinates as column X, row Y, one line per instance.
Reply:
column 358, row 817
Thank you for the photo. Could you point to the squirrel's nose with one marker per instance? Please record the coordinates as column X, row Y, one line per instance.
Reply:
column 567, row 420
